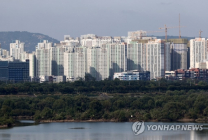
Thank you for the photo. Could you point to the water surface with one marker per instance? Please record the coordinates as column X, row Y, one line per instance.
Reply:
column 95, row 131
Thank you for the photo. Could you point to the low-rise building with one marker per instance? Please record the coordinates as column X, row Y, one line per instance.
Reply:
column 44, row 79
column 202, row 65
column 14, row 71
column 181, row 74
column 52, row 79
column 58, row 79
column 132, row 75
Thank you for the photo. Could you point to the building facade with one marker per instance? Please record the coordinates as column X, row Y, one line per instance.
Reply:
column 135, row 55
column 43, row 59
column 75, row 63
column 179, row 52
column 132, row 75
column 153, row 56
column 193, row 73
column 4, row 53
column 14, row 71
column 32, row 66
column 198, row 51
column 16, row 49
column 117, row 57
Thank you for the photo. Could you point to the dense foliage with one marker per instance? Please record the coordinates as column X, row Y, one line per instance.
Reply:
column 172, row 105
column 108, row 86
column 107, row 100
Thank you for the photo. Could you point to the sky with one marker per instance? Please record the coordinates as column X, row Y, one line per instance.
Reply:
column 57, row 18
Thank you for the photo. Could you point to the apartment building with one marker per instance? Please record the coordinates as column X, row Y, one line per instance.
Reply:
column 43, row 59
column 57, row 58
column 16, row 49
column 32, row 66
column 103, row 63
column 117, row 56
column 3, row 53
column 149, row 55
column 75, row 63
column 179, row 52
column 100, row 62
column 198, row 51
column 136, row 55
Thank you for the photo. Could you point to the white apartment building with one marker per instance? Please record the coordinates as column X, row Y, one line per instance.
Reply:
column 75, row 63
column 92, row 61
column 117, row 57
column 69, row 41
column 32, row 65
column 158, row 59
column 24, row 56
column 103, row 63
column 97, row 41
column 153, row 56
column 98, row 62
column 57, row 58
column 69, row 58
column 135, row 56
column 80, row 62
column 91, row 40
column 53, row 60
column 4, row 53
column 43, row 59
column 198, row 51
column 88, row 40
column 136, row 34
column 16, row 49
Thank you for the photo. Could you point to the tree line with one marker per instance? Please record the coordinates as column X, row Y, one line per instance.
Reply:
column 108, row 86
column 171, row 106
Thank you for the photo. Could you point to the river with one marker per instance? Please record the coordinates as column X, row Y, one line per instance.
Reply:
column 97, row 131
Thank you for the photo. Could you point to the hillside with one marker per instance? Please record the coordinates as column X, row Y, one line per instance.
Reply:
column 30, row 39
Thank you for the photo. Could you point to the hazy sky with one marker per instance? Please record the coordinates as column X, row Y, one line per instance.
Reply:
column 57, row 18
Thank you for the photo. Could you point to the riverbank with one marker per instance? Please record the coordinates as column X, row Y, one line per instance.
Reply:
column 4, row 126
column 185, row 120
column 7, row 125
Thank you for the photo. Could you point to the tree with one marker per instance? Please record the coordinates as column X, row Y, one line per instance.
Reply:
column 59, row 105
column 46, row 113
column 89, row 77
column 174, row 110
column 95, row 105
